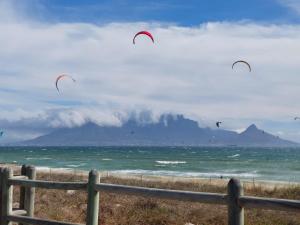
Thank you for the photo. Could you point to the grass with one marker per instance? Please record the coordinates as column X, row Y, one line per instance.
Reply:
column 116, row 209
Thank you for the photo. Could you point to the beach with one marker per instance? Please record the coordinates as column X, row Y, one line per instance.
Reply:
column 123, row 209
column 193, row 169
column 168, row 112
column 221, row 182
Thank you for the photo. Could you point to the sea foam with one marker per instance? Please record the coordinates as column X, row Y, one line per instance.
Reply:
column 171, row 162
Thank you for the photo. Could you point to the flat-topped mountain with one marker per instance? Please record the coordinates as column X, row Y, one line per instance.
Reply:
column 168, row 131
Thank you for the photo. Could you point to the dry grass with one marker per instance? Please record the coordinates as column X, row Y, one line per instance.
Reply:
column 118, row 209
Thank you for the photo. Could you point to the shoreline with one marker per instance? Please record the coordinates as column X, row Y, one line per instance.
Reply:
column 117, row 208
column 266, row 184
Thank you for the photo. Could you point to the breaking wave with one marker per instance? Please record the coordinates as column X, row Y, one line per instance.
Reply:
column 171, row 162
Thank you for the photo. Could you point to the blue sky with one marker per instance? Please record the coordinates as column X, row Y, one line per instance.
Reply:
column 187, row 71
column 181, row 12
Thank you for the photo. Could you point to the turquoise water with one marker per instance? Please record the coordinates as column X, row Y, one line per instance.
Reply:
column 246, row 163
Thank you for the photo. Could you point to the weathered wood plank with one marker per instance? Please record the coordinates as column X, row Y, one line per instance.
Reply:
column 164, row 193
column 36, row 221
column 7, row 195
column 20, row 212
column 1, row 194
column 30, row 192
column 235, row 211
column 22, row 189
column 92, row 213
column 269, row 203
column 49, row 184
column 20, row 177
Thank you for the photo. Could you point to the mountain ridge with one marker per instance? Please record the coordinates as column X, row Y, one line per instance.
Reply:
column 170, row 130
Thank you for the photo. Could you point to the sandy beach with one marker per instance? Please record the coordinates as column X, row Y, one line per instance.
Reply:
column 118, row 209
column 221, row 182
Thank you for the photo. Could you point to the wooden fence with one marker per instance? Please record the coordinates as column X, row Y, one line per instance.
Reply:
column 234, row 199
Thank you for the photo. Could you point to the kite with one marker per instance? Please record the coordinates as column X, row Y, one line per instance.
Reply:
column 241, row 61
column 218, row 124
column 61, row 77
column 143, row 33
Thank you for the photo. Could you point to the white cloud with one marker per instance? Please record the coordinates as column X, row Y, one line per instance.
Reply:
column 240, row 130
column 187, row 70
column 293, row 4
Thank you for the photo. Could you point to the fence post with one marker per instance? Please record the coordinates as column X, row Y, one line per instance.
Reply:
column 7, row 195
column 93, row 199
column 30, row 192
column 1, row 189
column 235, row 212
column 22, row 189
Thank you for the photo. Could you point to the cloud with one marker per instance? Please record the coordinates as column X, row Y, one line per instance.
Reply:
column 187, row 70
column 292, row 4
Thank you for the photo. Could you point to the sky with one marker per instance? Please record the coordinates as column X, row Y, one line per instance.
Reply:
column 186, row 71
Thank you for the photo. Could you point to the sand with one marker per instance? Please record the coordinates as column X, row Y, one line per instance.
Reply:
column 265, row 184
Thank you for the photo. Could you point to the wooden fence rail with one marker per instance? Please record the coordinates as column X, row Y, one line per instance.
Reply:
column 234, row 199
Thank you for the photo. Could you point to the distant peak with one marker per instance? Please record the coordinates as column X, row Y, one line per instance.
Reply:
column 252, row 127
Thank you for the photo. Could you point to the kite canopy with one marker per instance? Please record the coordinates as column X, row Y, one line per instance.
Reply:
column 143, row 33
column 61, row 77
column 242, row 61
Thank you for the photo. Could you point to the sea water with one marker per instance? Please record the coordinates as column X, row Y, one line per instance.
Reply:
column 275, row 164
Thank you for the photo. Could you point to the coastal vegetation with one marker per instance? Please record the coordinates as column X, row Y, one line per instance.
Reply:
column 116, row 209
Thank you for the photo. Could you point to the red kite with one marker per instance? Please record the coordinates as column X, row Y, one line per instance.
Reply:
column 62, row 76
column 143, row 33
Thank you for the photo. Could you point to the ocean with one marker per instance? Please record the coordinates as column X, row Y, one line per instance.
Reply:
column 273, row 164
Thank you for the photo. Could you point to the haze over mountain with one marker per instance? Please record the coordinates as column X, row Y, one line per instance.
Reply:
column 168, row 131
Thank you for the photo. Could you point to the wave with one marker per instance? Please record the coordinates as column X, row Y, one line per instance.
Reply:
column 49, row 169
column 187, row 174
column 73, row 166
column 43, row 158
column 106, row 159
column 171, row 162
column 233, row 156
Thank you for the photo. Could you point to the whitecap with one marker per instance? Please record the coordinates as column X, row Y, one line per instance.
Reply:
column 171, row 162
column 73, row 165
column 43, row 158
column 245, row 175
